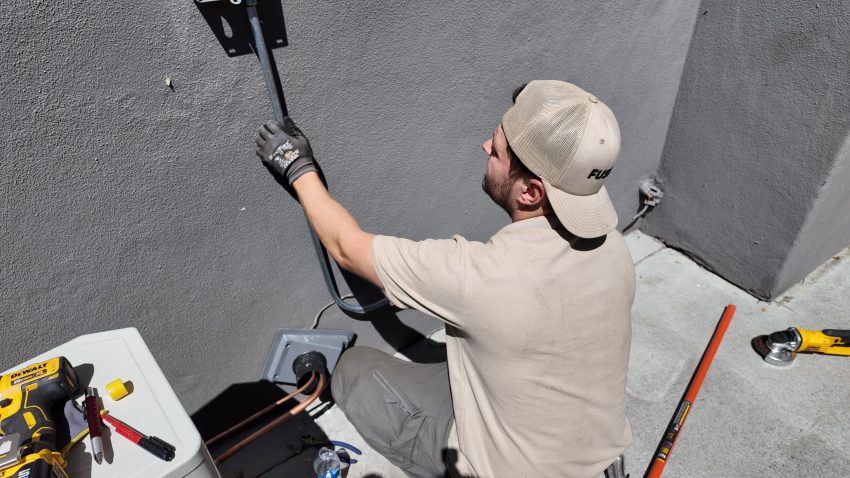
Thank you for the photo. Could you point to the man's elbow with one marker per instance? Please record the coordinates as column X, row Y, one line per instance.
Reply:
column 355, row 256
column 347, row 254
column 344, row 261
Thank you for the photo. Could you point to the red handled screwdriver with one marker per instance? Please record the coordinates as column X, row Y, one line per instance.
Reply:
column 93, row 419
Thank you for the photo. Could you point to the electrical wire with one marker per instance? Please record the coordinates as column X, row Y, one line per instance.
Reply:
column 277, row 107
column 330, row 281
column 274, row 423
column 323, row 309
column 641, row 212
column 263, row 55
column 262, row 412
column 634, row 220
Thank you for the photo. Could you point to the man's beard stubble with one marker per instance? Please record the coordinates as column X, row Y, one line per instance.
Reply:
column 499, row 193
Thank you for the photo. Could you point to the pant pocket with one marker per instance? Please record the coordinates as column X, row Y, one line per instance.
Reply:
column 407, row 420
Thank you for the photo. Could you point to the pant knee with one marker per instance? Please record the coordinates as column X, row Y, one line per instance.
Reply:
column 353, row 367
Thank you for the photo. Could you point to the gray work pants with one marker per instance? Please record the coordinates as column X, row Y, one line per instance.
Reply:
column 403, row 410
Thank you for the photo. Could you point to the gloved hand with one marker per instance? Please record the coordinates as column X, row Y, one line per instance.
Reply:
column 284, row 149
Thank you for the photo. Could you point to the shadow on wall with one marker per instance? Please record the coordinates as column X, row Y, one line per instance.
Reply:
column 229, row 24
column 407, row 340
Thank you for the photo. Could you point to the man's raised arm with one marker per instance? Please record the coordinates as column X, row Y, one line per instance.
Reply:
column 285, row 150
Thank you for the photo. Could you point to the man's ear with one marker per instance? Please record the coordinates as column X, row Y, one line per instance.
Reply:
column 534, row 194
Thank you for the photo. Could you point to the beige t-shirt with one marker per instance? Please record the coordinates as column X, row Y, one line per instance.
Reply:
column 538, row 334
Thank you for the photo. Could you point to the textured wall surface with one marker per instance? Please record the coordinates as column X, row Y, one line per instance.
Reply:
column 129, row 203
column 752, row 165
column 827, row 227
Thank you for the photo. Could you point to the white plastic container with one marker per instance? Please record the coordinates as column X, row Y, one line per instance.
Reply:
column 152, row 408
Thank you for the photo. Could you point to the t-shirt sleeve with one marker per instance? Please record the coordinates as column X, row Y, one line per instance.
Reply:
column 425, row 275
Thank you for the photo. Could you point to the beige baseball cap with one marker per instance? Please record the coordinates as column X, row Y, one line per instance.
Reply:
column 571, row 140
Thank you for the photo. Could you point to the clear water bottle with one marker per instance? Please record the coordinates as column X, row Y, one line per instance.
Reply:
column 326, row 465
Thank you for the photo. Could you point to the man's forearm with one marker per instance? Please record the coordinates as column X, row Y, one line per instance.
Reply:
column 345, row 241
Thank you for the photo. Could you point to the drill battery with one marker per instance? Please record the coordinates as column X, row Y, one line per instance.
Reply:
column 44, row 464
column 27, row 431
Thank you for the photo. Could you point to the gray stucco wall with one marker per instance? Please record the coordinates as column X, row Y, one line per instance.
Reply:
column 128, row 204
column 755, row 187
column 827, row 227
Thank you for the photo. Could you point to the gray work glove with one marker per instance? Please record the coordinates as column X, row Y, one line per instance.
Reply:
column 284, row 150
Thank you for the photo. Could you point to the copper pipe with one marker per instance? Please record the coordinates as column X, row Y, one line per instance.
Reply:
column 253, row 417
column 277, row 421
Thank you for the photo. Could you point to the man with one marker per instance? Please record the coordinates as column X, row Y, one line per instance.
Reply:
column 537, row 318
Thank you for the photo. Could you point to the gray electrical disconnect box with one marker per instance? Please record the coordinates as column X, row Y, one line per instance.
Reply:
column 289, row 344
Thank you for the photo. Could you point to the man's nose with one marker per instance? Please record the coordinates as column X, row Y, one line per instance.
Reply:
column 488, row 146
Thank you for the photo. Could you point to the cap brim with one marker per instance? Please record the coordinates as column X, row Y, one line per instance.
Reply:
column 585, row 216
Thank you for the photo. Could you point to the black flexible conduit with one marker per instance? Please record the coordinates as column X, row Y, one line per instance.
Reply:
column 321, row 252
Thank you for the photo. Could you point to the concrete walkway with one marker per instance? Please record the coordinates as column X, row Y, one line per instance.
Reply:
column 751, row 419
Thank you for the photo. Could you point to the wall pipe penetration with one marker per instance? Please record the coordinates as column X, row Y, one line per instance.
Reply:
column 321, row 252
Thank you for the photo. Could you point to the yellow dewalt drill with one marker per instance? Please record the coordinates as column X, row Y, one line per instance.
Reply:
column 781, row 347
column 27, row 432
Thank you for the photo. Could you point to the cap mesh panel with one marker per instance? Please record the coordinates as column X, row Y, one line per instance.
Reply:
column 552, row 126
